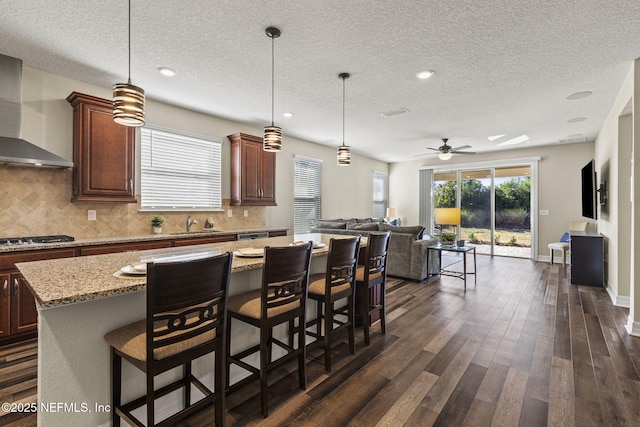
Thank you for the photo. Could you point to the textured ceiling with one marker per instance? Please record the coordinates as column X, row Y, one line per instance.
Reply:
column 501, row 67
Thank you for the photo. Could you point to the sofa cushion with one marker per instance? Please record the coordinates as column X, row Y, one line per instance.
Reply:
column 331, row 225
column 415, row 230
column 365, row 226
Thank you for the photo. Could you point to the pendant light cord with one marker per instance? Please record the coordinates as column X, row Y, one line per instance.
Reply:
column 273, row 79
column 343, row 108
column 129, row 79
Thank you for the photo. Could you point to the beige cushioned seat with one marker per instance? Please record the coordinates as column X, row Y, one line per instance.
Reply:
column 248, row 304
column 360, row 274
column 131, row 340
column 317, row 285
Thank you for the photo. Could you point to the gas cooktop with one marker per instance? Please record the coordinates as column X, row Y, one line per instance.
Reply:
column 19, row 241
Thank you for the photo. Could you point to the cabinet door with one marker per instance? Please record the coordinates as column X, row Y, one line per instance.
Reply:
column 251, row 172
column 268, row 194
column 24, row 316
column 103, row 152
column 5, row 280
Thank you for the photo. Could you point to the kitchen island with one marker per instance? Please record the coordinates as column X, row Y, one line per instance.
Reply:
column 80, row 299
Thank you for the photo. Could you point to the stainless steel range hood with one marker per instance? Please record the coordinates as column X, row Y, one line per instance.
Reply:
column 13, row 149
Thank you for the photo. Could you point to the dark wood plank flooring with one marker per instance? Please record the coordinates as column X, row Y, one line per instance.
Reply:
column 521, row 347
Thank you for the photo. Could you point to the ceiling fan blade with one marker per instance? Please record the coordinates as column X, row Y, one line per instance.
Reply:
column 463, row 152
column 434, row 149
column 425, row 154
column 462, row 147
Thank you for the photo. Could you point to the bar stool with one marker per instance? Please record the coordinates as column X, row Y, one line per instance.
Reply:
column 372, row 278
column 337, row 283
column 186, row 312
column 282, row 298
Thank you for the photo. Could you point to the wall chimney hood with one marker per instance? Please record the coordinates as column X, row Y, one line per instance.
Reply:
column 13, row 149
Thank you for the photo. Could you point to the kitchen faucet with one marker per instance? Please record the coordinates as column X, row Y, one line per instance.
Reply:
column 190, row 223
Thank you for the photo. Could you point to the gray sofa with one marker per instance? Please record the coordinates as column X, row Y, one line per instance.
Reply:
column 408, row 253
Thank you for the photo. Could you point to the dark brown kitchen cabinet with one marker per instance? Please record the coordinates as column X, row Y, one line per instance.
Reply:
column 253, row 172
column 18, row 313
column 103, row 152
column 5, row 312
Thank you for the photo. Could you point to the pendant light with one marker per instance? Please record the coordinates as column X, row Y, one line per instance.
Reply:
column 272, row 134
column 128, row 100
column 344, row 153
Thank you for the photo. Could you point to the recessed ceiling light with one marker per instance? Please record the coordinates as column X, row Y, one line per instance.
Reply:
column 579, row 95
column 494, row 137
column 423, row 75
column 576, row 120
column 394, row 112
column 288, row 115
column 167, row 71
column 513, row 141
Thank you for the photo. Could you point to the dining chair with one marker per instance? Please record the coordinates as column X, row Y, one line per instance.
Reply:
column 185, row 319
column 282, row 298
column 371, row 280
column 336, row 284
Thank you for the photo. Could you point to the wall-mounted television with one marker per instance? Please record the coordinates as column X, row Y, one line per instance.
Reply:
column 589, row 191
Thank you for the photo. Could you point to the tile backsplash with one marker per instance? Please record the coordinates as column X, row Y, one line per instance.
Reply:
column 36, row 201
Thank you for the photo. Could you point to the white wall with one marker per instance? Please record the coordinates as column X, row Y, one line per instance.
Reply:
column 559, row 185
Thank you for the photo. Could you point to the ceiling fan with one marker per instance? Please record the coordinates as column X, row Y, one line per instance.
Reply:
column 446, row 151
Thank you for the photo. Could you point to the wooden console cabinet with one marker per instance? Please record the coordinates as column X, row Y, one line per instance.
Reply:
column 253, row 172
column 587, row 258
column 103, row 152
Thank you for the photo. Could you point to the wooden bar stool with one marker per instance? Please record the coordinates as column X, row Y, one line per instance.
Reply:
column 186, row 312
column 282, row 298
column 336, row 284
column 371, row 277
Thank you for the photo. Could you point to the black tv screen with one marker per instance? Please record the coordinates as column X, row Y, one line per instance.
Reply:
column 589, row 195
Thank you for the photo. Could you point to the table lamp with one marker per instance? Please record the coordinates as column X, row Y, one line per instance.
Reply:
column 447, row 217
column 391, row 215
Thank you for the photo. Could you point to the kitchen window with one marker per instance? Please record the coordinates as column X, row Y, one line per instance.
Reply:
column 379, row 194
column 307, row 192
column 180, row 172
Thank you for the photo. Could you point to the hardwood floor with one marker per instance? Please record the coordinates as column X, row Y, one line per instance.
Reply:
column 18, row 371
column 522, row 347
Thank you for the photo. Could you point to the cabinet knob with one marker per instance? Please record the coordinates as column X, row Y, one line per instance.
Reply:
column 15, row 287
column 5, row 287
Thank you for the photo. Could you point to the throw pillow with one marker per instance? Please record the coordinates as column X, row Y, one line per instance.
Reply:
column 415, row 230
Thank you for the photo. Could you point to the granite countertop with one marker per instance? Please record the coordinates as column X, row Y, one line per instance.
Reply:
column 71, row 280
column 133, row 239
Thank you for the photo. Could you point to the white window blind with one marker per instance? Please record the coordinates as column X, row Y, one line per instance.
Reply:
column 180, row 172
column 379, row 194
column 307, row 192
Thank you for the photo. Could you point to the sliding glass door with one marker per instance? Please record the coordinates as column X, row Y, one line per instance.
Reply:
column 495, row 206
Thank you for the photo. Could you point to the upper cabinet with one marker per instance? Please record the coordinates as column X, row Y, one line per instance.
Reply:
column 253, row 172
column 103, row 152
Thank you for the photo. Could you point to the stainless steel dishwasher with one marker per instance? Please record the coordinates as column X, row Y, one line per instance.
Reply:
column 251, row 236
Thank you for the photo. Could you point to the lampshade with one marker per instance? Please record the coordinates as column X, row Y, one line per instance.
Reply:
column 391, row 212
column 128, row 104
column 445, row 156
column 344, row 155
column 272, row 134
column 128, row 100
column 448, row 216
column 272, row 138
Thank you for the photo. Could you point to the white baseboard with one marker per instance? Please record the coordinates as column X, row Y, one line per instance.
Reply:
column 618, row 300
column 632, row 327
column 556, row 259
